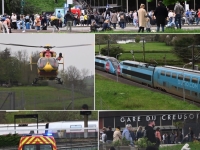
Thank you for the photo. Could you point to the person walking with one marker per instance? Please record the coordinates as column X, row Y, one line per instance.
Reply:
column 109, row 134
column 117, row 136
column 150, row 133
column 126, row 134
column 158, row 138
column 178, row 10
column 114, row 19
column 142, row 18
column 161, row 14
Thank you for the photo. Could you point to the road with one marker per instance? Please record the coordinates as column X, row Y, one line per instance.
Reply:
column 86, row 29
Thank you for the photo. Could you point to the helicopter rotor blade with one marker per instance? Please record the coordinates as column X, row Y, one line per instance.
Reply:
column 73, row 46
column 21, row 45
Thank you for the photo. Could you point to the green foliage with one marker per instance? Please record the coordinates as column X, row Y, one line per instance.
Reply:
column 50, row 116
column 170, row 2
column 143, row 143
column 192, row 145
column 137, row 39
column 113, row 51
column 114, row 95
column 123, row 142
column 9, row 140
column 181, row 48
column 32, row 6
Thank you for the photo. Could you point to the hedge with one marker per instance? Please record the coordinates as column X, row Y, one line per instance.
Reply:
column 9, row 140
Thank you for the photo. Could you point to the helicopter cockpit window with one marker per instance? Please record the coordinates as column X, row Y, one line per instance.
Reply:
column 53, row 62
column 42, row 62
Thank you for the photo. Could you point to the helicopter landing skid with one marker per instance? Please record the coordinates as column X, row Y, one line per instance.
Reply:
column 59, row 81
column 35, row 81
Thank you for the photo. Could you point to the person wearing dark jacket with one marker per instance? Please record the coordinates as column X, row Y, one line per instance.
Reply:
column 150, row 133
column 69, row 17
column 161, row 14
column 109, row 134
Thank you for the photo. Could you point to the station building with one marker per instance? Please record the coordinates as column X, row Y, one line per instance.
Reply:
column 131, row 5
column 165, row 120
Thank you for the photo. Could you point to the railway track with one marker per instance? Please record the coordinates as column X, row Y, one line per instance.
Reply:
column 130, row 82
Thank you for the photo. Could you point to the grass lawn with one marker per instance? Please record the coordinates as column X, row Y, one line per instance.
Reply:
column 166, row 31
column 150, row 46
column 111, row 95
column 193, row 146
column 44, row 97
column 149, row 56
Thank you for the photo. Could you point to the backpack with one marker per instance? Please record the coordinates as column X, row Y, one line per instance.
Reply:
column 59, row 15
column 3, row 18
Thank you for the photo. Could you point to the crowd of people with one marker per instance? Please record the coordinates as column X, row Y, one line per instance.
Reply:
column 109, row 20
column 154, row 136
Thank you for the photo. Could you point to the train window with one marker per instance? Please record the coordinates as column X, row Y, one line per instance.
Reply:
column 93, row 126
column 100, row 58
column 194, row 80
column 187, row 78
column 168, row 74
column 162, row 73
column 173, row 75
column 194, row 93
column 132, row 65
column 180, row 77
column 75, row 127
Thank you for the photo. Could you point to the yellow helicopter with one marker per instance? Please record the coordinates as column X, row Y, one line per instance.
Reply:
column 48, row 63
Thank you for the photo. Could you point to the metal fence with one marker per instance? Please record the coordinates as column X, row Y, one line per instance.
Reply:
column 71, row 98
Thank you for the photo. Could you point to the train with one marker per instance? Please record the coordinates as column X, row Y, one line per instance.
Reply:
column 105, row 63
column 69, row 129
column 174, row 80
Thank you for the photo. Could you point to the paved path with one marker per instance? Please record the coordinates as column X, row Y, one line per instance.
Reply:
column 86, row 29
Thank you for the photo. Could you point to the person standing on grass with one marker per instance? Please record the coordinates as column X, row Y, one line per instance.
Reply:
column 161, row 14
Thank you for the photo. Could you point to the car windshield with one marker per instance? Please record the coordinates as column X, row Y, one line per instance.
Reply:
column 38, row 147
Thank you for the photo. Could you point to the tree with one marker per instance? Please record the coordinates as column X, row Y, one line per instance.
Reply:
column 113, row 51
column 84, row 73
column 181, row 48
column 169, row 2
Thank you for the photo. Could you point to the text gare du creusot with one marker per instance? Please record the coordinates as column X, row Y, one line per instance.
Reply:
column 163, row 117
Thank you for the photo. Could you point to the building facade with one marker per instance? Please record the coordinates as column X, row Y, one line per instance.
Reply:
column 166, row 120
column 131, row 5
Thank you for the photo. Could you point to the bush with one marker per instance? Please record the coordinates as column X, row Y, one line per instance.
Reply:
column 9, row 140
column 137, row 39
column 143, row 143
column 113, row 51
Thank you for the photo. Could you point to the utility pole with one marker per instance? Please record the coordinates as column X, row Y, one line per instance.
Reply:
column 143, row 50
column 193, row 57
column 108, row 47
column 2, row 7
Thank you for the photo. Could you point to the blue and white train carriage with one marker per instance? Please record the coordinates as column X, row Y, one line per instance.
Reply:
column 105, row 63
column 175, row 79
column 137, row 71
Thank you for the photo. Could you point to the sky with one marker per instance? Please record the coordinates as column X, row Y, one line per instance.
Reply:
column 80, row 57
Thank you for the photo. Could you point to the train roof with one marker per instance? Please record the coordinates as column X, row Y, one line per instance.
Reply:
column 106, row 57
column 182, row 69
column 138, row 63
